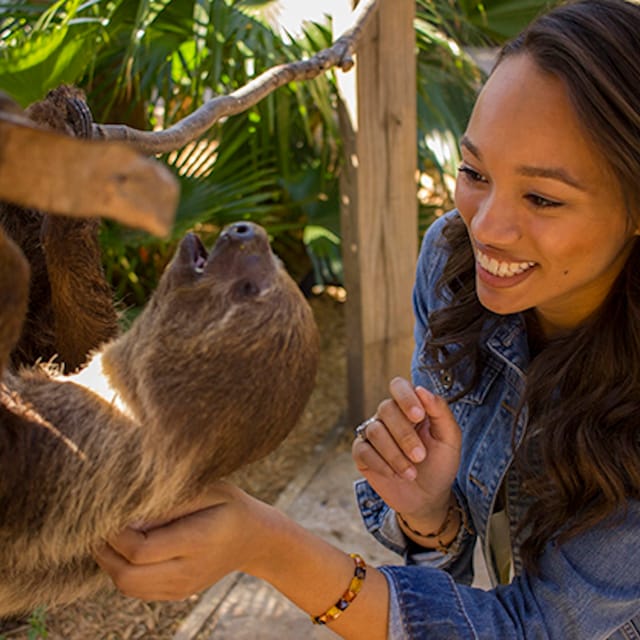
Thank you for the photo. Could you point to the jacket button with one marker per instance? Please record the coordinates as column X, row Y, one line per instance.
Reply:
column 446, row 379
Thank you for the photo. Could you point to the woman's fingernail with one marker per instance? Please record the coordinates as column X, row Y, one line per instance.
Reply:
column 417, row 454
column 416, row 414
column 410, row 474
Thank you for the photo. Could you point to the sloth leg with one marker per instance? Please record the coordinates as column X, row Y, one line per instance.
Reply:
column 14, row 296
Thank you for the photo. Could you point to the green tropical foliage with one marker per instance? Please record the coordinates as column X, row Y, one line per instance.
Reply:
column 44, row 45
column 148, row 63
column 501, row 19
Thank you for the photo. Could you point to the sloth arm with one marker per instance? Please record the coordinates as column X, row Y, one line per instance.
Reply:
column 72, row 468
column 83, row 311
column 14, row 295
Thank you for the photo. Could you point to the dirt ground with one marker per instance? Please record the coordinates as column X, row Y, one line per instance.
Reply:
column 111, row 616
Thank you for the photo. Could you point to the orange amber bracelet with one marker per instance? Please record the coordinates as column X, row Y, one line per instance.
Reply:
column 348, row 596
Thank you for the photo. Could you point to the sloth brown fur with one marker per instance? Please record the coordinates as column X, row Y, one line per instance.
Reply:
column 212, row 375
column 70, row 305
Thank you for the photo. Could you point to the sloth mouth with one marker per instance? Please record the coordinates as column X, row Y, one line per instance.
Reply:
column 199, row 255
column 192, row 254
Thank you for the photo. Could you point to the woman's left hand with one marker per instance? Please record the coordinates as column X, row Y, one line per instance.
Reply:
column 410, row 451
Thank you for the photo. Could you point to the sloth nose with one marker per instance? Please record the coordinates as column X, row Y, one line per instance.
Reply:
column 241, row 231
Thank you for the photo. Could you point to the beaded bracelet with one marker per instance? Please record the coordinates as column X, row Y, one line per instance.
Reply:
column 348, row 596
column 435, row 534
column 440, row 546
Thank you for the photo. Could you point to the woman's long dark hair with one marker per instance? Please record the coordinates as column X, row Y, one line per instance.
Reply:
column 580, row 459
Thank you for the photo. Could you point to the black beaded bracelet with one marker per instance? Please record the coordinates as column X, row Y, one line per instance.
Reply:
column 440, row 546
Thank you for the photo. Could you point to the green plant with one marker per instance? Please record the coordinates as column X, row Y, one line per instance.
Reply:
column 37, row 624
column 37, row 627
column 148, row 63
column 44, row 45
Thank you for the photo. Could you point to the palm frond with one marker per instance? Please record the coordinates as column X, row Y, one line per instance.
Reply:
column 41, row 49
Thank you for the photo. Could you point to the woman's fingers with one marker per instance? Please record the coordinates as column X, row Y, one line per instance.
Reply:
column 125, row 574
column 388, row 443
column 411, row 465
column 130, row 544
column 169, row 537
column 404, row 394
column 380, row 453
column 167, row 580
column 443, row 426
column 403, row 430
column 165, row 563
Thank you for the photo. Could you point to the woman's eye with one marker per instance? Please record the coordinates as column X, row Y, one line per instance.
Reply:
column 470, row 174
column 541, row 202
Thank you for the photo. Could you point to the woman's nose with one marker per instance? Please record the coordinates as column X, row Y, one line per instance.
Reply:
column 496, row 222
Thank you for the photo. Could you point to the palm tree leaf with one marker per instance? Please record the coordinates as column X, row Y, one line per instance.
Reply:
column 41, row 51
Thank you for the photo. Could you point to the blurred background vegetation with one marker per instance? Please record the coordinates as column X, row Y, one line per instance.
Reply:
column 148, row 63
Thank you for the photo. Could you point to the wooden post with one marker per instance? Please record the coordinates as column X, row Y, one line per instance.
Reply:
column 379, row 206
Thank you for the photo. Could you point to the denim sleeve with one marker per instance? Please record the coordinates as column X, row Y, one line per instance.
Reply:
column 380, row 521
column 584, row 589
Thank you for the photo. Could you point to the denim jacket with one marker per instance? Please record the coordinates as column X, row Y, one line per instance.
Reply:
column 586, row 588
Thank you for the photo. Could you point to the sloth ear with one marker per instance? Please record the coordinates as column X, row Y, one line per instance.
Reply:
column 14, row 296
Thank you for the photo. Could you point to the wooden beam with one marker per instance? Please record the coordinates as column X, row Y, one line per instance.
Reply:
column 379, row 206
column 45, row 170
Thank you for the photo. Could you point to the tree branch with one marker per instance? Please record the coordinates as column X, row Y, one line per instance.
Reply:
column 340, row 54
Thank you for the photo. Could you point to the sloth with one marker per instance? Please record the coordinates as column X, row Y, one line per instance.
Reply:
column 212, row 375
column 70, row 305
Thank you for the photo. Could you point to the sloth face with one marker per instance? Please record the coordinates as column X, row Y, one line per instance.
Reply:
column 225, row 354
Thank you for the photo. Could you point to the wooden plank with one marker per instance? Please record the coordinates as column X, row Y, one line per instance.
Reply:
column 379, row 203
column 59, row 174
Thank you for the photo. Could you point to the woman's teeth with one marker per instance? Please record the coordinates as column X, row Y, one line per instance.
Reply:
column 502, row 269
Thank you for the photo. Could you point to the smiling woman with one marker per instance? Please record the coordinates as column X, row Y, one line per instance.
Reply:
column 548, row 179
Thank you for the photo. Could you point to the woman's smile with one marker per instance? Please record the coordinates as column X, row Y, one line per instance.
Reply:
column 501, row 272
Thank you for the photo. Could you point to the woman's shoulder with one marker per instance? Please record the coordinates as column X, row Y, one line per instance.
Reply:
column 435, row 246
column 434, row 234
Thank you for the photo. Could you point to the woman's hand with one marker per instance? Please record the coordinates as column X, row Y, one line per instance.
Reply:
column 410, row 453
column 186, row 555
column 229, row 530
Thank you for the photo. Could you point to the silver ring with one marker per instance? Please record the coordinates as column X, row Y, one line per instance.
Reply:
column 361, row 429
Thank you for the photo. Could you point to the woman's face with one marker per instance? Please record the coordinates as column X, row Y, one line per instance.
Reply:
column 547, row 222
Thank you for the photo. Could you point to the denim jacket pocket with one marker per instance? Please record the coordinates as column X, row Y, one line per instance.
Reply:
column 450, row 383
